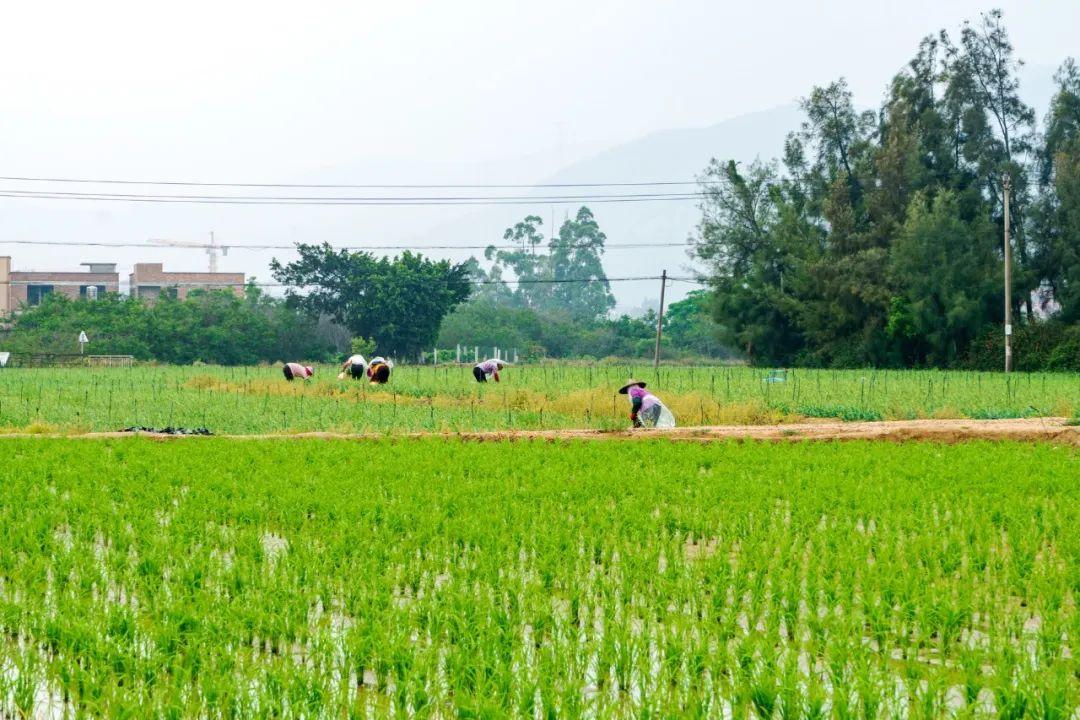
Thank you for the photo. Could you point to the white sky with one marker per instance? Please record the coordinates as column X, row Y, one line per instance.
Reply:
column 410, row 91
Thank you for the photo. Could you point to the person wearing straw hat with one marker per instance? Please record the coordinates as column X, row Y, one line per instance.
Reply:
column 488, row 367
column 379, row 370
column 355, row 366
column 646, row 410
column 293, row 371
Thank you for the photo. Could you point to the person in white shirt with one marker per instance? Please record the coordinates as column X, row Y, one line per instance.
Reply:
column 356, row 366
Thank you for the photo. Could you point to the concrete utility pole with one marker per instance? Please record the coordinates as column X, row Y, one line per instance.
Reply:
column 660, row 320
column 1007, row 187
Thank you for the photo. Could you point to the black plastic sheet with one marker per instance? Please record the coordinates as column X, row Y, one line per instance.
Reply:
column 169, row 430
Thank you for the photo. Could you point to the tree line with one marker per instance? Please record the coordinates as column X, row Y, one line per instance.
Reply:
column 877, row 239
column 393, row 306
column 689, row 331
column 552, row 299
column 215, row 326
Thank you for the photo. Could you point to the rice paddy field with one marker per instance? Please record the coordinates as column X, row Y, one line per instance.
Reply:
column 251, row 400
column 434, row 577
column 437, row 576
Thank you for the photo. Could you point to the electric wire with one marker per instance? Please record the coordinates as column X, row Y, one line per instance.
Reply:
column 370, row 186
column 230, row 247
column 349, row 202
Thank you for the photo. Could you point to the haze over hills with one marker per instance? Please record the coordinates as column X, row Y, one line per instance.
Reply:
column 676, row 154
column 667, row 155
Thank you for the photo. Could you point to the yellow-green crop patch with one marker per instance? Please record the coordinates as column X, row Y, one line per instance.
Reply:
column 250, row 400
column 441, row 578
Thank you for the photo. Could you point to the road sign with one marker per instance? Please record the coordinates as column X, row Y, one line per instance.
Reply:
column 4, row 358
column 82, row 340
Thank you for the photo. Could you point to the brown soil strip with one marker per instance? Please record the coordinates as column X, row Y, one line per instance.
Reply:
column 1048, row 429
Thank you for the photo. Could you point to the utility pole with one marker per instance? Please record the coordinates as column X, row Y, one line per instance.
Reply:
column 660, row 320
column 1007, row 187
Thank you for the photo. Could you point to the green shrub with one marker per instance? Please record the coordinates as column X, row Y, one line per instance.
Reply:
column 362, row 346
column 1047, row 345
column 1066, row 355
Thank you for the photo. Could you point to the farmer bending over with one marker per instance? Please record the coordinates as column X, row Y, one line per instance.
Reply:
column 646, row 410
column 296, row 370
column 355, row 365
column 379, row 371
column 488, row 367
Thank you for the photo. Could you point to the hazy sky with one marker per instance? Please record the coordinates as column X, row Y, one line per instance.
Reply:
column 250, row 89
column 398, row 91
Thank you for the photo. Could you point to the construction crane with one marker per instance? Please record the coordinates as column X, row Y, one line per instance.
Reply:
column 212, row 248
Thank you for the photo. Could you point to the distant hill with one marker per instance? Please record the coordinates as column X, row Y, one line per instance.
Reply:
column 667, row 155
column 683, row 153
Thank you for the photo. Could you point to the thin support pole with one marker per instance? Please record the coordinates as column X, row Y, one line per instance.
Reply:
column 660, row 320
column 1007, row 186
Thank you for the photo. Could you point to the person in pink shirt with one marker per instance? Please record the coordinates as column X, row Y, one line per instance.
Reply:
column 645, row 408
column 488, row 367
column 296, row 370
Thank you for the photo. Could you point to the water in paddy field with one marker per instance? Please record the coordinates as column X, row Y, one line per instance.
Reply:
column 397, row 573
column 255, row 400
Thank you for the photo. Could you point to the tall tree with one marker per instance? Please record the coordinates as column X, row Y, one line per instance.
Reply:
column 998, row 129
column 568, row 278
column 988, row 58
column 400, row 302
column 489, row 285
column 838, row 132
column 527, row 265
column 947, row 278
column 738, row 216
column 580, row 286
column 843, row 299
column 1056, row 220
column 746, row 263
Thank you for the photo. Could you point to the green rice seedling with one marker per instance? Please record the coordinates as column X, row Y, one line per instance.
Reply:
column 440, row 577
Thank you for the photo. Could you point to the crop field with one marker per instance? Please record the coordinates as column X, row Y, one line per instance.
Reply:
column 446, row 398
column 438, row 578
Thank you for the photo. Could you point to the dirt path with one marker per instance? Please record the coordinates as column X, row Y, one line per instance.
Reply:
column 1028, row 429
column 950, row 431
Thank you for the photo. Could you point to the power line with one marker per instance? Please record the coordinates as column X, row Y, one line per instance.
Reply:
column 89, row 243
column 349, row 198
column 388, row 186
column 366, row 202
